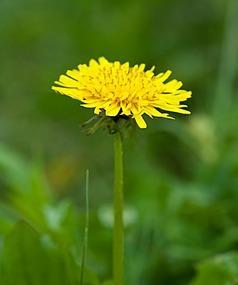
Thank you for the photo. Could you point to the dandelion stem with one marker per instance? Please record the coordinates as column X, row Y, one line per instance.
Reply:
column 118, row 233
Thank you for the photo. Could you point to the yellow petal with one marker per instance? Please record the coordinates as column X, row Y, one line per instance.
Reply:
column 117, row 64
column 173, row 85
column 173, row 108
column 141, row 67
column 113, row 110
column 73, row 93
column 103, row 61
column 176, row 98
column 125, row 110
column 67, row 81
column 151, row 111
column 93, row 63
column 164, row 76
column 140, row 121
column 97, row 111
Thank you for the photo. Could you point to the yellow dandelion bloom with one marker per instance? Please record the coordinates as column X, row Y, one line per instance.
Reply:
column 118, row 89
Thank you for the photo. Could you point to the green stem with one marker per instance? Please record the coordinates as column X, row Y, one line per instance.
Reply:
column 118, row 233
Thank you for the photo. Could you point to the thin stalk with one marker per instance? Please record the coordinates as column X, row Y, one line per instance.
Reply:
column 118, row 231
column 85, row 242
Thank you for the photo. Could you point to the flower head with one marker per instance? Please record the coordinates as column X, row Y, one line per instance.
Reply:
column 120, row 90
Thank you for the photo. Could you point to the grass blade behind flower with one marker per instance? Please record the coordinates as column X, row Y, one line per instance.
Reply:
column 85, row 241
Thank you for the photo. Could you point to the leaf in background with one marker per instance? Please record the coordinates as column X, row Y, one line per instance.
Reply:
column 29, row 259
column 90, row 278
column 108, row 282
column 26, row 260
column 13, row 168
column 7, row 218
column 26, row 191
column 221, row 270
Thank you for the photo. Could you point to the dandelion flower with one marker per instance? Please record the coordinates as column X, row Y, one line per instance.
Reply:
column 120, row 90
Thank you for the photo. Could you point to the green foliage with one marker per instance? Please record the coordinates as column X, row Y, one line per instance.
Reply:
column 41, row 238
column 29, row 258
column 220, row 270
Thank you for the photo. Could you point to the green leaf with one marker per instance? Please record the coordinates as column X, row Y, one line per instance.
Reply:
column 90, row 278
column 108, row 282
column 29, row 258
column 13, row 167
column 221, row 270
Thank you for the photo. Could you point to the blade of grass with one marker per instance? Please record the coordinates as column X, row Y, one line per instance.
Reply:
column 85, row 241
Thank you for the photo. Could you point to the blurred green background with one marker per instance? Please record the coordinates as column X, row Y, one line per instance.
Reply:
column 181, row 177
